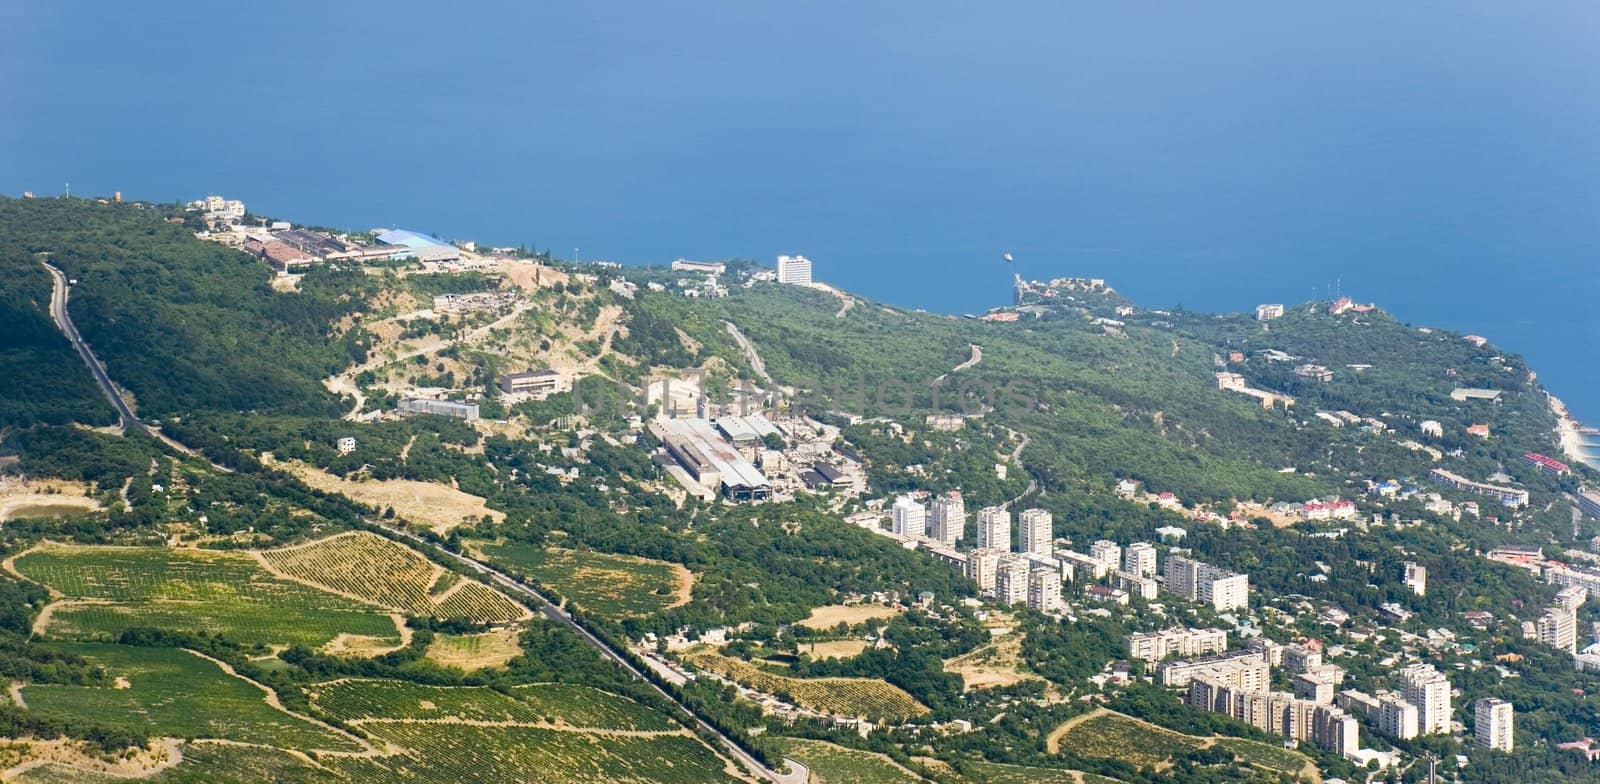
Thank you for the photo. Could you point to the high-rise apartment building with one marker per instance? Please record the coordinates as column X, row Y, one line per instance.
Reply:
column 1492, row 723
column 1429, row 690
column 794, row 270
column 1011, row 579
column 947, row 519
column 1140, row 558
column 994, row 528
column 909, row 517
column 1037, row 529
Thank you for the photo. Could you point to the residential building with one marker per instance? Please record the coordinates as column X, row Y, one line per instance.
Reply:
column 1508, row 496
column 1415, row 576
column 1144, row 587
column 1037, row 529
column 947, row 519
column 1492, row 723
column 1558, row 628
column 1201, row 582
column 1571, row 597
column 1429, row 690
column 1547, row 464
column 908, row 517
column 1395, row 717
column 1318, row 685
column 705, row 267
column 1278, row 713
column 1011, row 579
column 794, row 270
column 1140, row 558
column 346, row 445
column 1269, row 312
column 982, row 564
column 1177, row 641
column 1432, row 428
column 1044, row 590
column 1178, row 672
column 994, row 528
column 1106, row 552
column 1299, row 658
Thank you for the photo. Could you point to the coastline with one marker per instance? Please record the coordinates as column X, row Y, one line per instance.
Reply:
column 1568, row 431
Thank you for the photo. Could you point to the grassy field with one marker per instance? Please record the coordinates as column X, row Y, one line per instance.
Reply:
column 171, row 692
column 388, row 573
column 615, row 586
column 224, row 592
column 571, row 705
column 828, row 617
column 833, row 649
column 865, row 697
column 473, row 652
column 833, row 764
column 440, row 507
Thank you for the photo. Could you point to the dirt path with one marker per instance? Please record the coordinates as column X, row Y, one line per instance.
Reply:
column 750, row 354
column 271, row 698
column 61, row 753
column 1052, row 742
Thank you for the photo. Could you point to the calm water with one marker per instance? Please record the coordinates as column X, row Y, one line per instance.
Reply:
column 1439, row 158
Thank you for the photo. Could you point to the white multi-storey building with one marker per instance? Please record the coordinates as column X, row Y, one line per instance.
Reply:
column 981, row 567
column 1177, row 641
column 909, row 517
column 1395, row 717
column 947, row 519
column 1226, row 592
column 1429, row 690
column 1107, row 552
column 1202, row 582
column 1140, row 558
column 1269, row 312
column 1037, row 529
column 994, row 528
column 1044, row 590
column 1558, row 628
column 1492, row 723
column 794, row 270
column 1416, row 577
column 1011, row 581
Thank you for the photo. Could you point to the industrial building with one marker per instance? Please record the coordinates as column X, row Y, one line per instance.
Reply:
column 449, row 408
column 421, row 246
column 710, row 460
column 542, row 382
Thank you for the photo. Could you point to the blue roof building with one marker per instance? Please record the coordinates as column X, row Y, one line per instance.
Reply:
column 412, row 239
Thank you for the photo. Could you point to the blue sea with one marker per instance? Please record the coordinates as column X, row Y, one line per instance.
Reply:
column 1438, row 158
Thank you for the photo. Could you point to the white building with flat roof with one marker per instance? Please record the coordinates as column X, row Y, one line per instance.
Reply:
column 1492, row 723
column 1140, row 558
column 1037, row 529
column 794, row 270
column 1044, row 590
column 908, row 517
column 1011, row 579
column 947, row 518
column 1429, row 690
column 994, row 528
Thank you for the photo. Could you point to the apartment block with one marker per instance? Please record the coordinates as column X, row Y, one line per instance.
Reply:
column 1492, row 723
column 1429, row 690
column 994, row 528
column 947, row 518
column 1140, row 558
column 1037, row 529
column 1177, row 641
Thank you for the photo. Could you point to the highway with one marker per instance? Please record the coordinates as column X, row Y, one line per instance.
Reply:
column 63, row 319
column 798, row 773
column 58, row 311
column 125, row 416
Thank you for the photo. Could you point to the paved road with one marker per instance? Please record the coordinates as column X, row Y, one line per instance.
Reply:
column 798, row 773
column 125, row 416
column 63, row 319
column 1016, row 459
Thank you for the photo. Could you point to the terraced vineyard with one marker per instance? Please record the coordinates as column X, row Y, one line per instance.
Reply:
column 834, row 764
column 171, row 692
column 569, row 704
column 444, row 752
column 115, row 588
column 390, row 574
column 1266, row 755
column 865, row 697
column 615, row 586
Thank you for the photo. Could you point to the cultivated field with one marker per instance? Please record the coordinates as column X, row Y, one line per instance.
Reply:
column 850, row 614
column 171, row 692
column 552, row 704
column 615, row 586
column 472, row 652
column 369, row 567
column 834, row 764
column 109, row 589
column 439, row 507
column 833, row 649
column 1107, row 734
column 866, row 697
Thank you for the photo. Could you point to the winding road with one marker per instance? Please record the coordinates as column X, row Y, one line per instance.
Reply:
column 1016, row 459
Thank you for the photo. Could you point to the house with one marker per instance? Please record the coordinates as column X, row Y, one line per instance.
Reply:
column 1315, row 372
column 1481, row 431
column 346, row 445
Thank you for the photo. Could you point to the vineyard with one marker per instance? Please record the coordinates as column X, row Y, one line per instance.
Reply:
column 570, row 705
column 1113, row 735
column 615, row 586
column 446, row 752
column 171, row 692
column 865, row 697
column 1266, row 755
column 833, row 764
column 110, row 589
column 390, row 574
